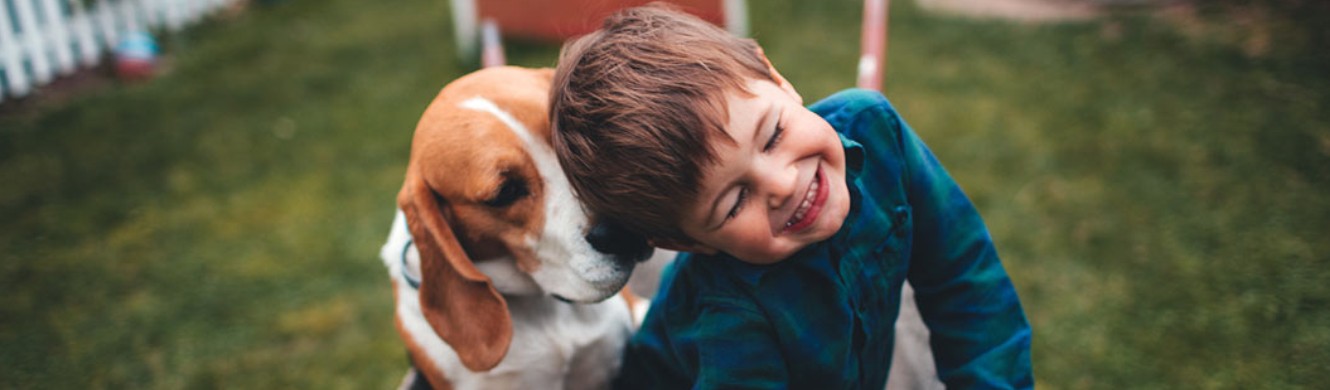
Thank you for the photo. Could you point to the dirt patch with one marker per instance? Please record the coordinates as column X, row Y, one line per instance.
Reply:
column 59, row 91
column 1033, row 11
column 1250, row 27
column 82, row 82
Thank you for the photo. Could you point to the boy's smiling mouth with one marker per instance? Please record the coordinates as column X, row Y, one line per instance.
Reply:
column 810, row 206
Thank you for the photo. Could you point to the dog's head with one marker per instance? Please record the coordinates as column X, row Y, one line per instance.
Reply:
column 484, row 191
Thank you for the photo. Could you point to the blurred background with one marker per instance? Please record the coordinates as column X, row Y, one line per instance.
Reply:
column 1156, row 175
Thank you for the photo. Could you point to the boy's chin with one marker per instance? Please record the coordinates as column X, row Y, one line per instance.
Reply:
column 766, row 258
column 772, row 258
column 839, row 207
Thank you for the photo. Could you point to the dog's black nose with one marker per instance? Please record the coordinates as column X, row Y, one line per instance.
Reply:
column 612, row 239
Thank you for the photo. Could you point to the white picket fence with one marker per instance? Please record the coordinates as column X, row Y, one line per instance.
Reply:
column 44, row 39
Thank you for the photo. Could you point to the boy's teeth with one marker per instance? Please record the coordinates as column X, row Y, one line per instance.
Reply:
column 803, row 206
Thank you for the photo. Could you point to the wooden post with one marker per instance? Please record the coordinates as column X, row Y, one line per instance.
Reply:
column 491, row 45
column 873, row 45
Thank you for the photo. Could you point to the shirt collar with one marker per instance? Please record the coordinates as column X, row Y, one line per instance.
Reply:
column 854, row 157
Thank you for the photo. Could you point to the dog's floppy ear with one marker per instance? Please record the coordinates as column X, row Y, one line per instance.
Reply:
column 458, row 301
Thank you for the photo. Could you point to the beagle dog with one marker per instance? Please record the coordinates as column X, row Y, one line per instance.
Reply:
column 501, row 279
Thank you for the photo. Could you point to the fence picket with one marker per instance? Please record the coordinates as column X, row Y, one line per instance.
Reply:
column 11, row 52
column 174, row 16
column 33, row 43
column 89, row 50
column 191, row 11
column 152, row 14
column 129, row 15
column 43, row 39
column 54, row 19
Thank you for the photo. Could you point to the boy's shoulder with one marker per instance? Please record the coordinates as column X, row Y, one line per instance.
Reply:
column 863, row 116
column 850, row 103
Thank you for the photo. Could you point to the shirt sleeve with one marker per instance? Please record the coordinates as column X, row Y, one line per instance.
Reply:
column 725, row 346
column 978, row 331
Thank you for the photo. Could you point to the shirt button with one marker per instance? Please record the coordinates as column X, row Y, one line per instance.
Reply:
column 901, row 217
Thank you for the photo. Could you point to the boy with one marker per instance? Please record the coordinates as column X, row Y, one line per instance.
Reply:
column 802, row 223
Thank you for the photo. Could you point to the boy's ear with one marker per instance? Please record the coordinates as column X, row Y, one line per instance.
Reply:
column 677, row 245
column 780, row 80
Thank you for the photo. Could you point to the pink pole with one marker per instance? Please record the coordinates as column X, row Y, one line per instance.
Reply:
column 491, row 46
column 873, row 45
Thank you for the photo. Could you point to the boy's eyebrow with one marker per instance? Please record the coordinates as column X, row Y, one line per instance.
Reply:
column 757, row 132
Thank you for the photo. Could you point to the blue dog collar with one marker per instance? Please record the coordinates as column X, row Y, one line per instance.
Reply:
column 406, row 275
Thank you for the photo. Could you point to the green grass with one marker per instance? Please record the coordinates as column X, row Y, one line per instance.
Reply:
column 1159, row 198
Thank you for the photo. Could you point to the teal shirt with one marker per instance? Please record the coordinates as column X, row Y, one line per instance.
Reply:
column 825, row 317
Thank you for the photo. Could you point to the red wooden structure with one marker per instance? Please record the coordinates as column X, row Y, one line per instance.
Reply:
column 557, row 20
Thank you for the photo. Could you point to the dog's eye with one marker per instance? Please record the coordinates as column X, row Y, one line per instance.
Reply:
column 511, row 191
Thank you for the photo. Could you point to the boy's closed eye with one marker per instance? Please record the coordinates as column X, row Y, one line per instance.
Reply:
column 778, row 129
column 775, row 137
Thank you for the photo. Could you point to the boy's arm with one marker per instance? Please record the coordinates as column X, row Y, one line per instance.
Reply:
column 979, row 334
column 725, row 347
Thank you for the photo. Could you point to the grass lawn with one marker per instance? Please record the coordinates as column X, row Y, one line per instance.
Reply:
column 1161, row 197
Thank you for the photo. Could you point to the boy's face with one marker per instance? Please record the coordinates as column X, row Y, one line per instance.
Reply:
column 777, row 188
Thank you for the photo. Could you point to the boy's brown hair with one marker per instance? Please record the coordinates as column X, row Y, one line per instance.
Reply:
column 635, row 107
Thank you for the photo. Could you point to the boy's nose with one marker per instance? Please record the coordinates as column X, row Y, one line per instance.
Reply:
column 782, row 183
